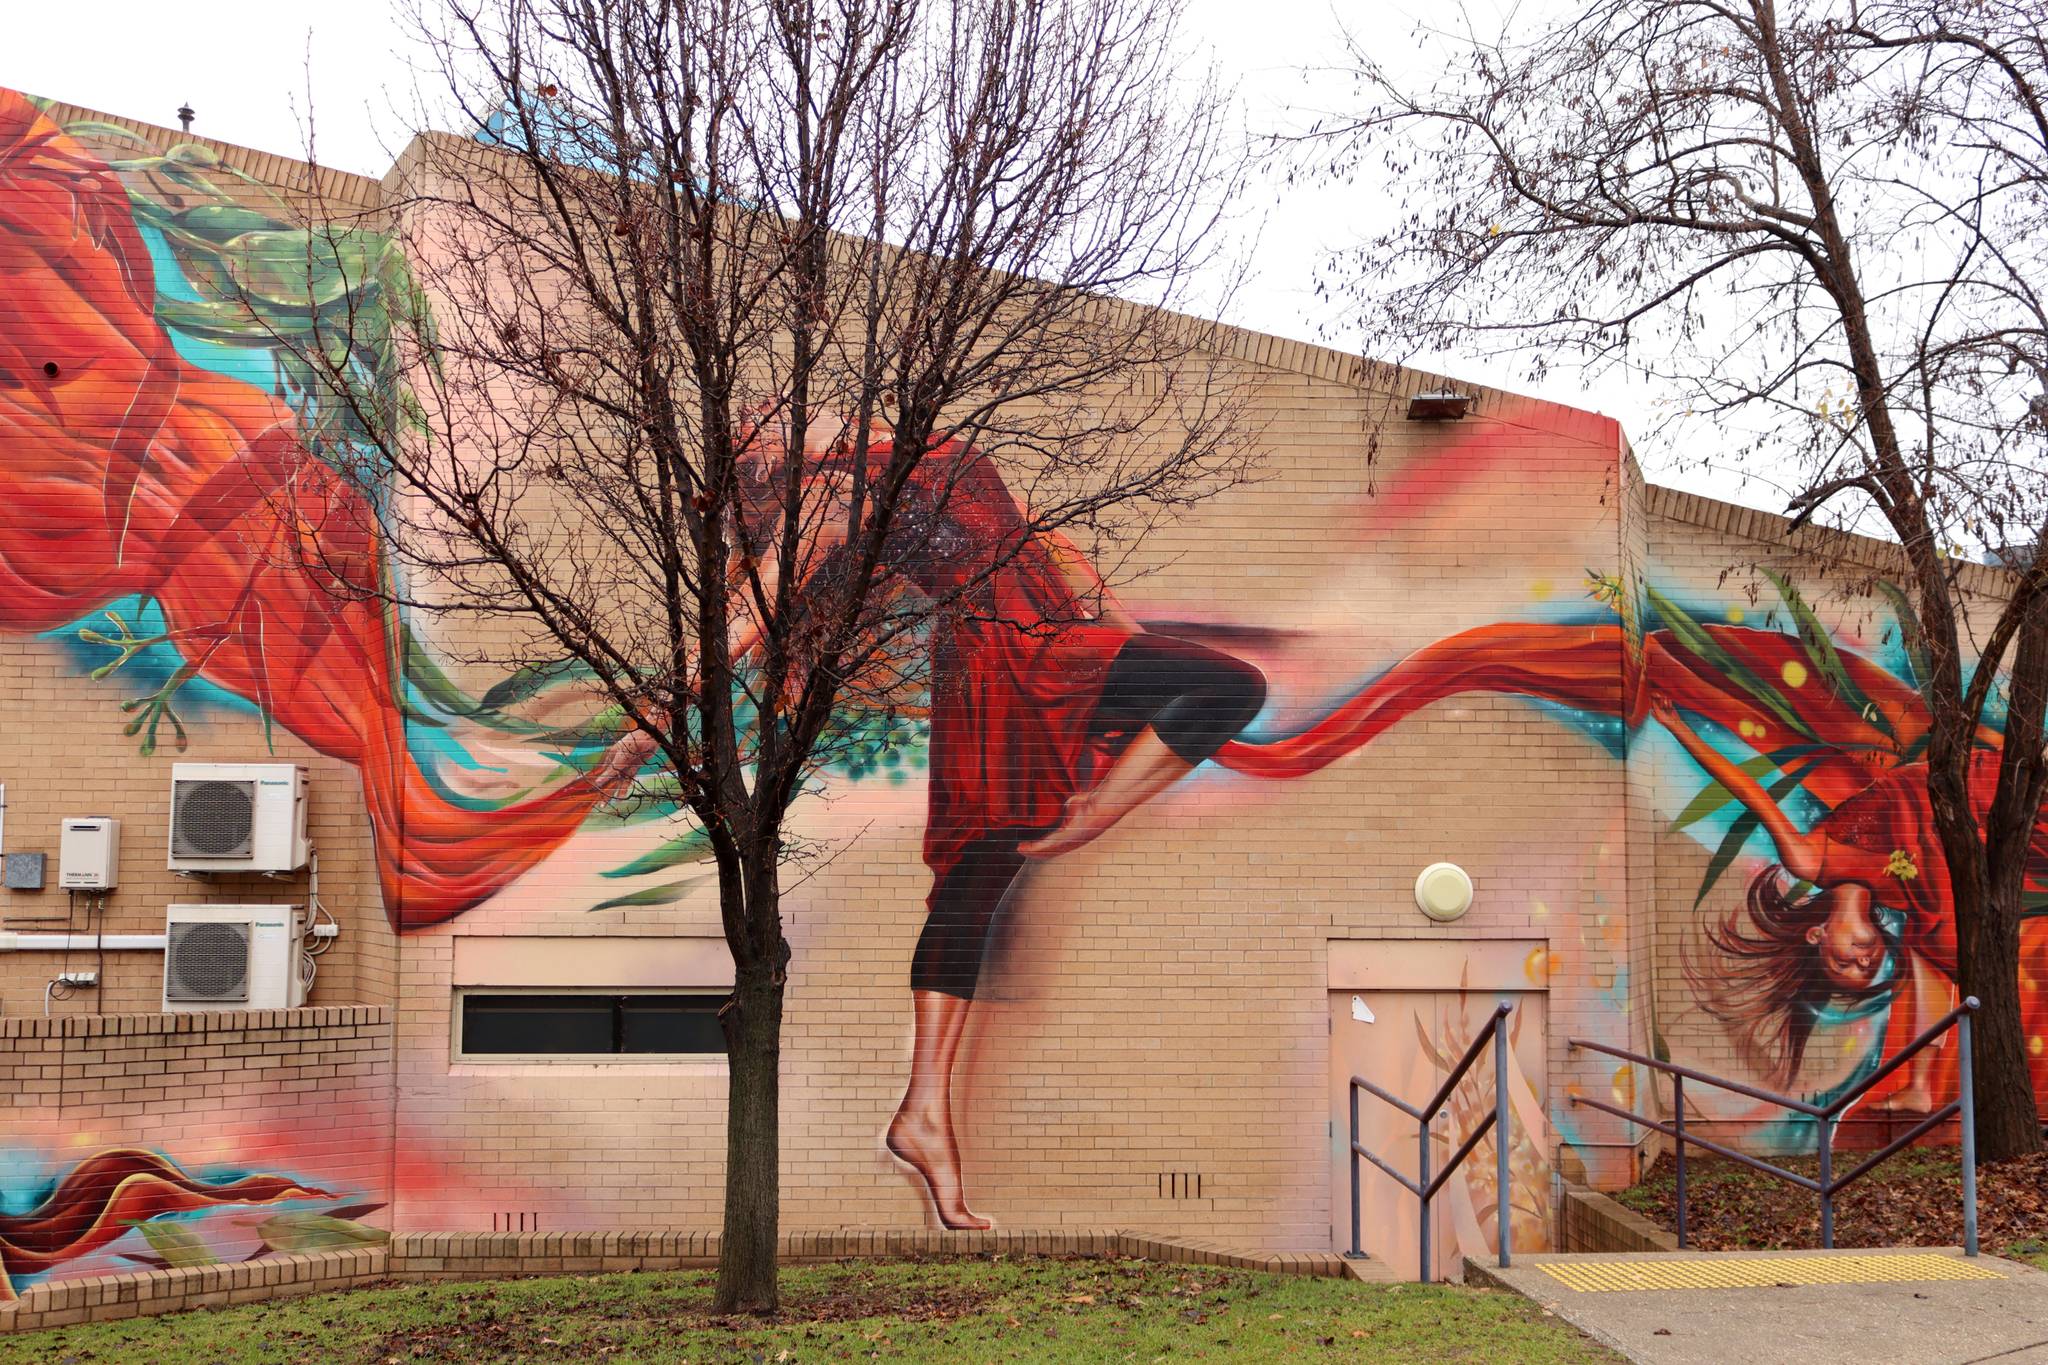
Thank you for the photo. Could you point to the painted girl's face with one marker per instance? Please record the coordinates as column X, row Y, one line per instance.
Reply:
column 1851, row 949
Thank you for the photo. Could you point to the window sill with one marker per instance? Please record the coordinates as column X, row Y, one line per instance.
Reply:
column 686, row 1065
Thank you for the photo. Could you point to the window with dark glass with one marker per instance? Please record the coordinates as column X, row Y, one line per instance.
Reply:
column 586, row 1025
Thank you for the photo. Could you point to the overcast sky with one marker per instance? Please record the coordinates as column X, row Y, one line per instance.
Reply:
column 244, row 66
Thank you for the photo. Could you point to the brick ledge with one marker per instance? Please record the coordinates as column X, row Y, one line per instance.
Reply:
column 198, row 1021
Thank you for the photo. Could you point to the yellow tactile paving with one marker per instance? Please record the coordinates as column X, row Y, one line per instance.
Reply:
column 1763, row 1272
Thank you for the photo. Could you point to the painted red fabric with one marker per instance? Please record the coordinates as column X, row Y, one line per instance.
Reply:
column 1878, row 804
column 125, row 470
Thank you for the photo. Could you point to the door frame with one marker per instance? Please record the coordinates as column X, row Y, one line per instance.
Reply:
column 1440, row 965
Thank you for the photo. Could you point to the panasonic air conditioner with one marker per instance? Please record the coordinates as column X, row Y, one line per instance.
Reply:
column 233, row 957
column 238, row 817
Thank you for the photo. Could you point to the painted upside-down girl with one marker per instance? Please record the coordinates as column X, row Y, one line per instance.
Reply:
column 1838, row 727
column 1789, row 952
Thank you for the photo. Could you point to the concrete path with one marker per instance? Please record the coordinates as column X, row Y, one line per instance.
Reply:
column 1927, row 1307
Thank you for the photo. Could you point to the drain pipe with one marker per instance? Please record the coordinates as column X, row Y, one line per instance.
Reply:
column 61, row 943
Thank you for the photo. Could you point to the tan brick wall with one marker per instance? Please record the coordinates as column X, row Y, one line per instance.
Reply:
column 1164, row 1003
column 63, row 753
column 304, row 1095
column 1166, row 1006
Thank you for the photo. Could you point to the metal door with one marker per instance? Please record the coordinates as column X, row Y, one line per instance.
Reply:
column 1406, row 1040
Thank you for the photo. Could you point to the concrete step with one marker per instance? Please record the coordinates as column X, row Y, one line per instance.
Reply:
column 1368, row 1271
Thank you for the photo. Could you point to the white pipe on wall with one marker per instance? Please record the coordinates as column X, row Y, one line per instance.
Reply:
column 81, row 943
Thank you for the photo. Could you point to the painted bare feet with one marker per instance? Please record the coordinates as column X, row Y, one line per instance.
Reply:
column 1914, row 1100
column 1084, row 823
column 928, row 1148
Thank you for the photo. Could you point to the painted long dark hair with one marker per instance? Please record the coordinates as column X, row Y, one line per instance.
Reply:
column 1763, row 978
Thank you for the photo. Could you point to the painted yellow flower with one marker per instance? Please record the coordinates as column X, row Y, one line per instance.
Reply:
column 1794, row 673
column 1902, row 866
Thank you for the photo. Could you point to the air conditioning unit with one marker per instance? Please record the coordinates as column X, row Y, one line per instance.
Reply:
column 238, row 817
column 233, row 957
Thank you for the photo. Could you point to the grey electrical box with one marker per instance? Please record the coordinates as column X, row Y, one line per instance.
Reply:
column 24, row 872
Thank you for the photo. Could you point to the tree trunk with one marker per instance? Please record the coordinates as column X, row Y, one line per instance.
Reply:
column 2008, row 1122
column 753, row 1141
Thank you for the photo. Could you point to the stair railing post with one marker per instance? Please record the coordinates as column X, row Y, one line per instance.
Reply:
column 1501, row 1185
column 1678, row 1122
column 1969, row 1117
column 1827, row 1182
column 1356, row 1250
column 1423, row 1185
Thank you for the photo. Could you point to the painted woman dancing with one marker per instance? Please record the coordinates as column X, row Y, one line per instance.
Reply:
column 1054, row 714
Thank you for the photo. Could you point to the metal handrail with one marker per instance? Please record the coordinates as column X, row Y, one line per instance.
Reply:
column 1827, row 1186
column 1424, row 1187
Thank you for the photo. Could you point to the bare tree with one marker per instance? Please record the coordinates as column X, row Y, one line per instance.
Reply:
column 721, row 332
column 1817, row 225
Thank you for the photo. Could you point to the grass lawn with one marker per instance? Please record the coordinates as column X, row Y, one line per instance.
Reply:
column 983, row 1309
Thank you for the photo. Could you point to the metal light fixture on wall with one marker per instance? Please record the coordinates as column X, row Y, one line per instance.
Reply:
column 1443, row 891
column 1440, row 406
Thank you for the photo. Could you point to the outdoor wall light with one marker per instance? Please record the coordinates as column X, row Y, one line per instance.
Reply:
column 1443, row 891
column 1440, row 406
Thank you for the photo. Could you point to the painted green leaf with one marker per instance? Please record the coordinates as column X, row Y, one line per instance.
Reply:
column 296, row 1234
column 665, row 894
column 1713, row 796
column 1745, row 825
column 219, row 222
column 1698, row 641
column 1821, row 651
column 177, row 1243
column 531, row 679
column 1919, row 669
column 693, row 847
column 1739, row 830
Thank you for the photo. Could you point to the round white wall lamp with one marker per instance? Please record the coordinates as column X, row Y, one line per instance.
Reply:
column 1443, row 891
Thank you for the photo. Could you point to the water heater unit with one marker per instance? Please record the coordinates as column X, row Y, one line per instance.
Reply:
column 89, row 853
column 238, row 817
column 233, row 957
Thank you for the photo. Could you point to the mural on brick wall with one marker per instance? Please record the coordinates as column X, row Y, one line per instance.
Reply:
column 179, row 1216
column 151, row 422
column 1813, row 750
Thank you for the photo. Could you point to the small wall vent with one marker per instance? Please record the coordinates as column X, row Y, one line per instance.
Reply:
column 1180, row 1184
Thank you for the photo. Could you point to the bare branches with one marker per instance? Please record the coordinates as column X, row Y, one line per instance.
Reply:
column 1818, row 222
column 748, row 339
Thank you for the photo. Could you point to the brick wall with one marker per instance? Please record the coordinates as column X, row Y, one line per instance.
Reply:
column 1163, row 1004
column 301, row 1095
